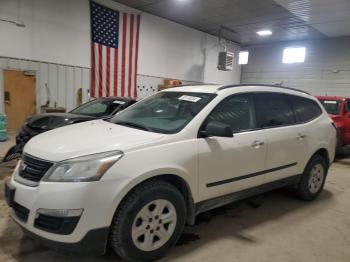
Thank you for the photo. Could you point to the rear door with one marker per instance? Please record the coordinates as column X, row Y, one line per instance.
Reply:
column 285, row 139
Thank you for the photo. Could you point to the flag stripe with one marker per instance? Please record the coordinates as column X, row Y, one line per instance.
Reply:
column 108, row 62
column 116, row 72
column 111, row 72
column 130, row 52
column 100, row 71
column 93, row 79
column 96, row 71
column 123, row 53
column 136, row 54
column 103, row 71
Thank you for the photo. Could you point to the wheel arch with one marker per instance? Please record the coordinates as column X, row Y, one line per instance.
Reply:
column 173, row 179
column 323, row 152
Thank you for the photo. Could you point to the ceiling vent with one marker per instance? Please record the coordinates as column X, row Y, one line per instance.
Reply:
column 225, row 61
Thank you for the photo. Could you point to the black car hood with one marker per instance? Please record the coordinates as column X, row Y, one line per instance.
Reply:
column 53, row 120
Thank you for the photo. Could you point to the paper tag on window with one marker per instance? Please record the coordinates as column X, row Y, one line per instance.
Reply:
column 190, row 98
column 119, row 102
column 330, row 102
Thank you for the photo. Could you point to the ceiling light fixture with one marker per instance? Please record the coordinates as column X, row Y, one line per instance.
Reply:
column 264, row 32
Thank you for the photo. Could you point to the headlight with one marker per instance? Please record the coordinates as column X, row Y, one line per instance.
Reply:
column 82, row 169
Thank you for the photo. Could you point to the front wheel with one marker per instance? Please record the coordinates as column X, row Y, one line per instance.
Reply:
column 313, row 178
column 149, row 220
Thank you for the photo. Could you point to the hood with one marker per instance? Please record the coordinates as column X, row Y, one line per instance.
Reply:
column 54, row 120
column 88, row 138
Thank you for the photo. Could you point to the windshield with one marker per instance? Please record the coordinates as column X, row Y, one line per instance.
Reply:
column 332, row 106
column 99, row 107
column 165, row 112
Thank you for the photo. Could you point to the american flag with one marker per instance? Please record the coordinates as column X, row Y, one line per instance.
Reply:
column 114, row 52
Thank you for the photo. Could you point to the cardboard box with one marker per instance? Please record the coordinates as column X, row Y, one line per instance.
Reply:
column 172, row 82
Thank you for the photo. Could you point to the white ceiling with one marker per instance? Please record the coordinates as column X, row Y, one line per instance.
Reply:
column 288, row 19
column 330, row 17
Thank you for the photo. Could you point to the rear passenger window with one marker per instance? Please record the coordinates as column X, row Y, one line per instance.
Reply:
column 305, row 109
column 273, row 109
column 236, row 111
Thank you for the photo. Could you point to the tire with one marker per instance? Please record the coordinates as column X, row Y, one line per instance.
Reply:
column 152, row 200
column 313, row 178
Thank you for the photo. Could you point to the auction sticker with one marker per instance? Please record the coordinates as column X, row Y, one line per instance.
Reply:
column 119, row 102
column 190, row 98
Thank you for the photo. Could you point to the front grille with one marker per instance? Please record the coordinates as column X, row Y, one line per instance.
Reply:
column 33, row 169
column 21, row 212
column 57, row 225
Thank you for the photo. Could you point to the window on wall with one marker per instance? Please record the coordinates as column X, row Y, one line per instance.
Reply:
column 243, row 57
column 294, row 55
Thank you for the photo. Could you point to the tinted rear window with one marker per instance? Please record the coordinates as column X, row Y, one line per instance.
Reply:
column 273, row 109
column 305, row 109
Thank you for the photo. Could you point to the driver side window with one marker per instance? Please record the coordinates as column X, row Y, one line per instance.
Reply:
column 237, row 111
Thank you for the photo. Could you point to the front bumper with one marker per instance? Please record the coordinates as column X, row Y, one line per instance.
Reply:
column 93, row 243
column 90, row 234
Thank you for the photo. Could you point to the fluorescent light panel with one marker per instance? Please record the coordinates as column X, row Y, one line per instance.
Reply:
column 264, row 32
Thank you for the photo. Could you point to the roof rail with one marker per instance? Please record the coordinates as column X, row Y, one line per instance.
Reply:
column 197, row 84
column 268, row 85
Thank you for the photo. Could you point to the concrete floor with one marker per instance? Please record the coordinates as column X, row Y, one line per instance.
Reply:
column 271, row 227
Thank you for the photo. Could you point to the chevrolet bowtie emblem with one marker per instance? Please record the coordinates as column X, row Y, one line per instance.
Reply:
column 24, row 166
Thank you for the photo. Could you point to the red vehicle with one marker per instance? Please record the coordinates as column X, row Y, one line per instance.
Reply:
column 338, row 109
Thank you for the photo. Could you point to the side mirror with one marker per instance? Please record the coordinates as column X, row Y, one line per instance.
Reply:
column 215, row 128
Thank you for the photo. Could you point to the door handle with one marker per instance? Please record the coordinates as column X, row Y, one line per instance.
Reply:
column 257, row 144
column 301, row 136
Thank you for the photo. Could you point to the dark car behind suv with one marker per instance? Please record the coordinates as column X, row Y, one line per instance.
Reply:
column 103, row 108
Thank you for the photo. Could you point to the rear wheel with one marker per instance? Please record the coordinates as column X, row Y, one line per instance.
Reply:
column 313, row 178
column 149, row 220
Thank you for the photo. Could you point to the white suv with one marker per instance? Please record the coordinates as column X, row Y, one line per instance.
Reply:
column 135, row 181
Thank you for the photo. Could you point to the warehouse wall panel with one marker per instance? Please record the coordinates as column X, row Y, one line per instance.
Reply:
column 85, row 83
column 56, row 84
column 326, row 70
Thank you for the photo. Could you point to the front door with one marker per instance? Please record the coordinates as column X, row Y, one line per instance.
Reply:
column 230, row 164
column 20, row 98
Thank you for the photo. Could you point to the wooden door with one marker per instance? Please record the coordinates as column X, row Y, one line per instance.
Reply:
column 20, row 98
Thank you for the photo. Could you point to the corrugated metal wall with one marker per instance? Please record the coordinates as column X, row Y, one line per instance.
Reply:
column 57, row 83
column 326, row 70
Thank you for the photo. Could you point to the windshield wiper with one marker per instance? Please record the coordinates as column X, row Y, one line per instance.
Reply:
column 135, row 125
